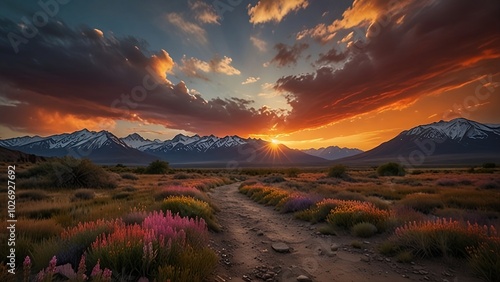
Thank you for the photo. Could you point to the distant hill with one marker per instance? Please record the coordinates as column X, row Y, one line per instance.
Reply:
column 456, row 142
column 16, row 157
column 332, row 152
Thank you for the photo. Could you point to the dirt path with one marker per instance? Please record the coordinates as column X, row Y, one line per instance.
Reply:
column 249, row 230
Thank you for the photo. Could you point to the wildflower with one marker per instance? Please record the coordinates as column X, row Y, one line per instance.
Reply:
column 96, row 271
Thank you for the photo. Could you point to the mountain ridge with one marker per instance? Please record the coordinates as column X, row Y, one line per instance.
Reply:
column 459, row 142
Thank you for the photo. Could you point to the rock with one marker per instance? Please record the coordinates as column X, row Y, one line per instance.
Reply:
column 280, row 247
column 334, row 247
column 260, row 233
column 365, row 259
column 303, row 278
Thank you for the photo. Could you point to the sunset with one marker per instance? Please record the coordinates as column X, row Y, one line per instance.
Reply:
column 247, row 141
column 306, row 73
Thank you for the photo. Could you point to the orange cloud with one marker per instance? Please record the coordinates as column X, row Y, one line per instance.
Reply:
column 274, row 10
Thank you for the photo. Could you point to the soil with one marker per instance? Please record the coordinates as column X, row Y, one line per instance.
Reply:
column 249, row 231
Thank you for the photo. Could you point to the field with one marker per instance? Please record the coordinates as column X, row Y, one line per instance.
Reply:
column 120, row 223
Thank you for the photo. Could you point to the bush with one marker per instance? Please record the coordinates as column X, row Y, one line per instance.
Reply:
column 157, row 167
column 274, row 179
column 295, row 202
column 181, row 191
column 350, row 213
column 391, row 169
column 485, row 260
column 440, row 237
column 83, row 194
column 69, row 172
column 129, row 176
column 337, row 171
column 32, row 195
column 364, row 230
column 192, row 208
column 424, row 203
column 489, row 165
column 446, row 182
column 292, row 172
column 320, row 211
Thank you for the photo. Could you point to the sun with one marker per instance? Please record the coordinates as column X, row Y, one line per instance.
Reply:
column 275, row 142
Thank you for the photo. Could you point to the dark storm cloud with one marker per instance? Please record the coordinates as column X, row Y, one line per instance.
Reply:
column 288, row 55
column 83, row 75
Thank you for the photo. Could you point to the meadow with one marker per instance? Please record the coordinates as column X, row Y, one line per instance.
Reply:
column 81, row 222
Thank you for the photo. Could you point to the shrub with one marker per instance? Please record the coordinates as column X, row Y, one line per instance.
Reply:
column 489, row 165
column 295, row 202
column 121, row 195
column 485, row 260
column 337, row 171
column 181, row 191
column 69, row 172
column 157, row 167
column 348, row 195
column 274, row 197
column 274, row 179
column 82, row 174
column 320, row 211
column 32, row 195
column 84, row 194
column 349, row 213
column 134, row 217
column 129, row 176
column 446, row 182
column 488, row 184
column 363, row 230
column 404, row 257
column 292, row 172
column 391, row 169
column 192, row 208
column 424, row 203
column 440, row 237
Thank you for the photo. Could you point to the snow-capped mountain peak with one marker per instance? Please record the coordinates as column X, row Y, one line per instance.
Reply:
column 456, row 129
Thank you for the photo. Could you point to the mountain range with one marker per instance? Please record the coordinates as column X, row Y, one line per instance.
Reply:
column 456, row 142
column 459, row 141
column 105, row 148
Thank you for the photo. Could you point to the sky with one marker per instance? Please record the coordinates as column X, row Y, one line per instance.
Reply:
column 305, row 73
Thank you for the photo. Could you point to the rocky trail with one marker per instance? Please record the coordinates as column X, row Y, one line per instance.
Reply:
column 260, row 244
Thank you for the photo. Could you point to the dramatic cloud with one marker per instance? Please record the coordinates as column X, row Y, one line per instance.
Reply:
column 204, row 12
column 418, row 51
column 65, row 79
column 362, row 14
column 259, row 43
column 288, row 55
column 250, row 80
column 274, row 10
column 332, row 56
column 193, row 66
column 187, row 27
